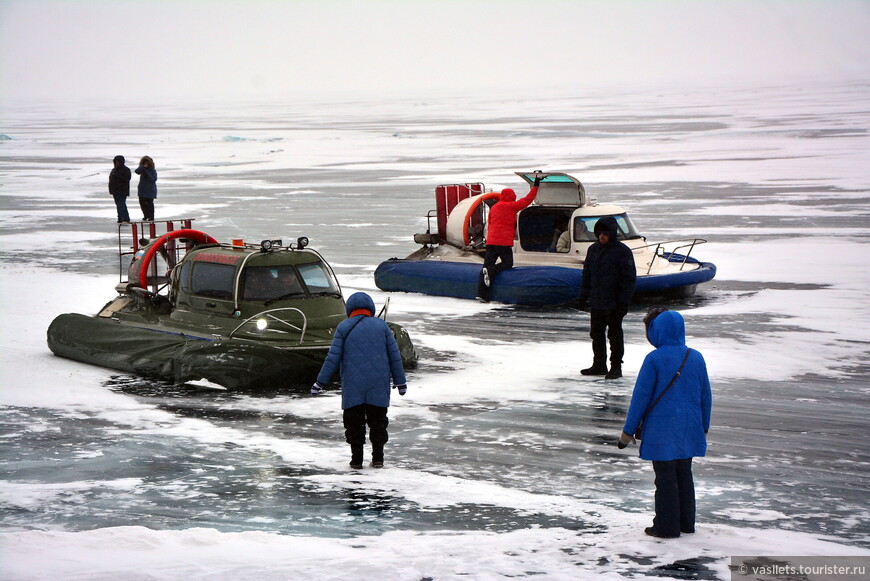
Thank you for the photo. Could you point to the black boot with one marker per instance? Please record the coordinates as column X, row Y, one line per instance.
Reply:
column 596, row 369
column 483, row 286
column 599, row 356
column 614, row 373
column 654, row 533
column 356, row 457
column 378, row 455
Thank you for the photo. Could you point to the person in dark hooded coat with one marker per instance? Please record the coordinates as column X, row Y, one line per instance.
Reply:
column 608, row 281
column 365, row 353
column 674, row 427
column 501, row 230
column 119, row 187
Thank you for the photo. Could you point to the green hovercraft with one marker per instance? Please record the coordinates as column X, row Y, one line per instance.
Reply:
column 225, row 316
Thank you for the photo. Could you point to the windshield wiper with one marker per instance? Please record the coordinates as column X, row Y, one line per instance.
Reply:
column 283, row 297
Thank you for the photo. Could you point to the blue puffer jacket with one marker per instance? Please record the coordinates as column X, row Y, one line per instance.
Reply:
column 366, row 355
column 147, row 182
column 675, row 428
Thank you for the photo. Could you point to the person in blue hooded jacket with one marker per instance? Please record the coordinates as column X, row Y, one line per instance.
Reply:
column 674, row 429
column 365, row 353
column 147, row 187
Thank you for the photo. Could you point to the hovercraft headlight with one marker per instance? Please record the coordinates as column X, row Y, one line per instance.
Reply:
column 268, row 245
column 262, row 324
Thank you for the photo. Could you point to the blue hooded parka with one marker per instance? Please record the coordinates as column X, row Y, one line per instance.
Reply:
column 675, row 429
column 147, row 182
column 366, row 354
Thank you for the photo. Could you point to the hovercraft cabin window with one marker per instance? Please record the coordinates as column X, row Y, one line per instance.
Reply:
column 584, row 228
column 268, row 283
column 540, row 228
column 318, row 279
column 208, row 279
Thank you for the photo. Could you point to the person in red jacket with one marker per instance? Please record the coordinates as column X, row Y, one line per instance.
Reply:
column 501, row 229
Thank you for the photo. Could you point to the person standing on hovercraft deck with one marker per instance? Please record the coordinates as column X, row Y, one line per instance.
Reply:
column 147, row 187
column 500, row 234
column 119, row 187
column 608, row 284
column 367, row 356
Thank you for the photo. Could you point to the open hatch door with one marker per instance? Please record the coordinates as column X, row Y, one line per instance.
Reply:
column 556, row 189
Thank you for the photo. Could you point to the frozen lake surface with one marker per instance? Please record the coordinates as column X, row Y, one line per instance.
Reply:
column 502, row 459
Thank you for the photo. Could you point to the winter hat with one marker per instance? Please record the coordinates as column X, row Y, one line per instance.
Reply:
column 606, row 224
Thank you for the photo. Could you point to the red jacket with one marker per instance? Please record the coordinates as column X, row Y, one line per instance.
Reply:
column 502, row 221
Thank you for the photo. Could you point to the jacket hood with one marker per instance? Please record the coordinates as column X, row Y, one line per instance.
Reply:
column 607, row 224
column 360, row 301
column 668, row 328
column 119, row 160
column 508, row 195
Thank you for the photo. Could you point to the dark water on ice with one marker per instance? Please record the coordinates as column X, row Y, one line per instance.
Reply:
column 772, row 452
column 789, row 447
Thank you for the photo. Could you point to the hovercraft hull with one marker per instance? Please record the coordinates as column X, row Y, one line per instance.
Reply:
column 180, row 358
column 522, row 285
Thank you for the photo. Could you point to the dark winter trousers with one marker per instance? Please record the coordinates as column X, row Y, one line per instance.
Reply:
column 606, row 325
column 504, row 254
column 147, row 205
column 675, row 497
column 355, row 421
column 121, row 205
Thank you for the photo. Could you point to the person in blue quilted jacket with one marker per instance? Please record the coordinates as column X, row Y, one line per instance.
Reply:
column 366, row 355
column 673, row 430
column 147, row 187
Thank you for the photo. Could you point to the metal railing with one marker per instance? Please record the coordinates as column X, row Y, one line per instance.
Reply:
column 143, row 230
column 660, row 250
column 270, row 316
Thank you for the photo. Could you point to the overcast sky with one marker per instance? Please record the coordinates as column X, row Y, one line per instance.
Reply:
column 187, row 49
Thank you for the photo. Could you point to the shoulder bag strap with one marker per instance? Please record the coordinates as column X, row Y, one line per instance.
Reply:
column 665, row 390
column 352, row 327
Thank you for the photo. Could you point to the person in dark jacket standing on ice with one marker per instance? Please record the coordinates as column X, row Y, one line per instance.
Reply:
column 608, row 284
column 366, row 354
column 500, row 234
column 147, row 187
column 673, row 428
column 119, row 187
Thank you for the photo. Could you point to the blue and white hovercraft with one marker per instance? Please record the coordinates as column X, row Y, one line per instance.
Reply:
column 545, row 272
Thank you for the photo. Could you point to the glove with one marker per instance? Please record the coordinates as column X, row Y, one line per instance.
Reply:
column 625, row 440
column 316, row 389
column 402, row 388
column 537, row 181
